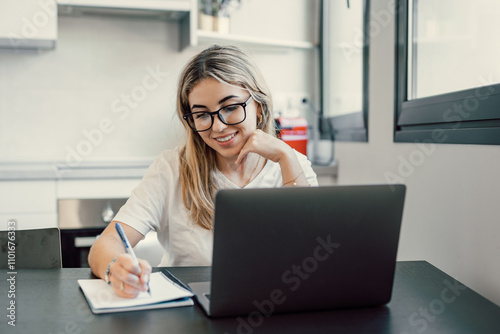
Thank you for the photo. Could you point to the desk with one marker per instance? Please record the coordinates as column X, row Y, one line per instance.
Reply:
column 425, row 300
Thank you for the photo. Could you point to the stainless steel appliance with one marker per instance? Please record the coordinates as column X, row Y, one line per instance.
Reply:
column 81, row 221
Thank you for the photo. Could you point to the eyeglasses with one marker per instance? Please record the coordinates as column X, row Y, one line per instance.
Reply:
column 230, row 115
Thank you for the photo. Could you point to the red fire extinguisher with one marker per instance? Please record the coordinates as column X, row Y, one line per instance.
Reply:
column 293, row 131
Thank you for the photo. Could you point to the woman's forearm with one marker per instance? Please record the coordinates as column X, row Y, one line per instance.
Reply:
column 108, row 246
column 102, row 252
column 291, row 170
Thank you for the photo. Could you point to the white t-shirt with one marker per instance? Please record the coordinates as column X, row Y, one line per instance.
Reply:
column 156, row 204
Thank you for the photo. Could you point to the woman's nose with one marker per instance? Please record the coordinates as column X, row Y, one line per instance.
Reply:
column 218, row 126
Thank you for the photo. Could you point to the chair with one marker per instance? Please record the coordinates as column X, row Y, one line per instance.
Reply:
column 34, row 249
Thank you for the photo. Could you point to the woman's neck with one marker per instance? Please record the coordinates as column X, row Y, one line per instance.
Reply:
column 227, row 165
column 251, row 168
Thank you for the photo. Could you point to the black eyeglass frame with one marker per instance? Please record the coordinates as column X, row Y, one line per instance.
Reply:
column 213, row 113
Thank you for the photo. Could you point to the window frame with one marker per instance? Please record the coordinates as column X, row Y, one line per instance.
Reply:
column 470, row 116
column 352, row 127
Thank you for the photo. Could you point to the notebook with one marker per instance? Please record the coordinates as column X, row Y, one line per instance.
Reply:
column 165, row 293
column 302, row 249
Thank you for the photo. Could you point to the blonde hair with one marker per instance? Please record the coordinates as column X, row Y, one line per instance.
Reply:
column 229, row 65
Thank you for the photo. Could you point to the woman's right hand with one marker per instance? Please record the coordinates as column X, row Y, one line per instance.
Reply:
column 126, row 278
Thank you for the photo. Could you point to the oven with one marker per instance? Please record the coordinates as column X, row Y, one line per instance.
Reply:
column 81, row 221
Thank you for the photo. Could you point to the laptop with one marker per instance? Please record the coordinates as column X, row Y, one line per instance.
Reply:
column 302, row 249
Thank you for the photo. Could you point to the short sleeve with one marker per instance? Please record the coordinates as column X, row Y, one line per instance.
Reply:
column 145, row 208
column 307, row 168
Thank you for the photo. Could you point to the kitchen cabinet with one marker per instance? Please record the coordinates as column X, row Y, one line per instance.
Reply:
column 151, row 5
column 166, row 9
column 30, row 221
column 31, row 203
column 181, row 11
column 106, row 188
column 28, row 24
column 27, row 196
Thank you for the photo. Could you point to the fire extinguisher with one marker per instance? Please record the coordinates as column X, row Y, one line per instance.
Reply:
column 293, row 131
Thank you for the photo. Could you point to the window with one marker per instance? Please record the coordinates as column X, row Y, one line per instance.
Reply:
column 345, row 69
column 448, row 72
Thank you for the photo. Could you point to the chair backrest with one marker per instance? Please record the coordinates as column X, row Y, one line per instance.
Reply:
column 30, row 249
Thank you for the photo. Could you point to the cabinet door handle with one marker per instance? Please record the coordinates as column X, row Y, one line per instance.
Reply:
column 81, row 242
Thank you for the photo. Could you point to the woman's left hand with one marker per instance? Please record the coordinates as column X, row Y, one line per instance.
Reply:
column 277, row 151
column 265, row 145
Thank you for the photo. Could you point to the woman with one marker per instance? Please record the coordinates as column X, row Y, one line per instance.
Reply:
column 226, row 109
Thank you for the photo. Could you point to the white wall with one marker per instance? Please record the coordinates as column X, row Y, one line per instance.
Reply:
column 452, row 215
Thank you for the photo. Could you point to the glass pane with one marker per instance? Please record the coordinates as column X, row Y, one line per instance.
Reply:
column 456, row 46
column 345, row 51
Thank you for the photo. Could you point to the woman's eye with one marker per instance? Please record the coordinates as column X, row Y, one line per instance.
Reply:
column 231, row 108
column 201, row 116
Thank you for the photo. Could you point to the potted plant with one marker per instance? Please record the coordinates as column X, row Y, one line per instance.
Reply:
column 214, row 14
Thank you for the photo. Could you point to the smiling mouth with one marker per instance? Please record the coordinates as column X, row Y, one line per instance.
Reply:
column 225, row 139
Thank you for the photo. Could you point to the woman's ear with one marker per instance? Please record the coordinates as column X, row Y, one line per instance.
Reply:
column 260, row 118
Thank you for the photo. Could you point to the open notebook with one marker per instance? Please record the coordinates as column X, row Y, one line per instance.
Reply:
column 165, row 293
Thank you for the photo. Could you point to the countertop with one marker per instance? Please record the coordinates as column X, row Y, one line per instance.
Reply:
column 29, row 171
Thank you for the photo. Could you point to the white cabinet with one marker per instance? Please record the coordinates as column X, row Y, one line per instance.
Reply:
column 31, row 203
column 31, row 221
column 172, row 10
column 80, row 189
column 28, row 24
column 27, row 196
column 127, row 6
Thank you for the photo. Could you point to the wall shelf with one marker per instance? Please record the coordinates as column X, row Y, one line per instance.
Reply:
column 191, row 35
column 214, row 37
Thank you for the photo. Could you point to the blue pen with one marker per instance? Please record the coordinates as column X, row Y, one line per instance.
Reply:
column 128, row 247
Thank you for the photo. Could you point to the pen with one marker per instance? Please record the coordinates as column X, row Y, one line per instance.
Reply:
column 128, row 248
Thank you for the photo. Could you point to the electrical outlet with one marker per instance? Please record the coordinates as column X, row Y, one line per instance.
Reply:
column 296, row 100
column 284, row 102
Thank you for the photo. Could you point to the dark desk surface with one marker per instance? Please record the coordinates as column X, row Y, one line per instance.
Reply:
column 425, row 300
